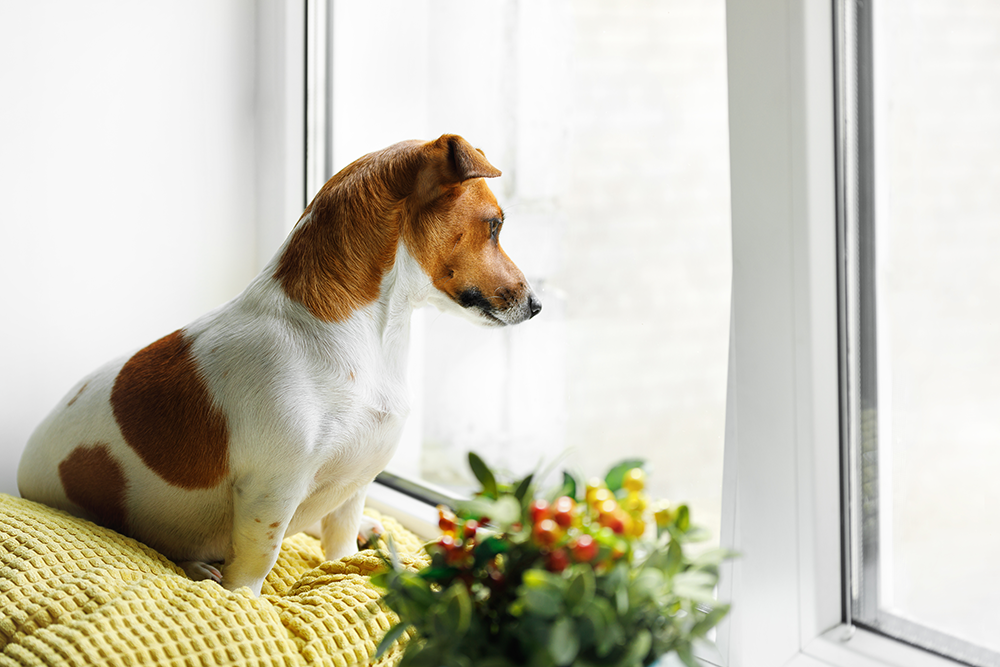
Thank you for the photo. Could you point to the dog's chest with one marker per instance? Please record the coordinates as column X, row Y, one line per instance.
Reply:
column 362, row 417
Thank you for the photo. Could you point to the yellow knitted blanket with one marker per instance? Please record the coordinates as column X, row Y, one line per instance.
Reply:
column 74, row 593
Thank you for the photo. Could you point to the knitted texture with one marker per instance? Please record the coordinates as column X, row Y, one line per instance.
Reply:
column 74, row 593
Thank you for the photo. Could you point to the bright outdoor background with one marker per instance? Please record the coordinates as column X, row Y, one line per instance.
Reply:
column 609, row 122
column 937, row 91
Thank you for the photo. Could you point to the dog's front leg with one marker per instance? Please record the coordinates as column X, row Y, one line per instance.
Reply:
column 341, row 528
column 260, row 520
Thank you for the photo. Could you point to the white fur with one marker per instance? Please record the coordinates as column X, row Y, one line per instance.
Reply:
column 313, row 409
column 314, row 413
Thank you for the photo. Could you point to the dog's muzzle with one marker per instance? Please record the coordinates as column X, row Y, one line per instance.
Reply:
column 502, row 309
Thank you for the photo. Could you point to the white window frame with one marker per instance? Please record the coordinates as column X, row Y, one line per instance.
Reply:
column 782, row 493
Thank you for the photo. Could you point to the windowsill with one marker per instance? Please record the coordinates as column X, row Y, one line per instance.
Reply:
column 417, row 516
column 864, row 649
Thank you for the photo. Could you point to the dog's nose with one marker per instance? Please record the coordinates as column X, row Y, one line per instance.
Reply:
column 534, row 305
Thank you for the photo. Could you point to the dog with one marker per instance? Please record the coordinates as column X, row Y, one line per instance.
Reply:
column 278, row 409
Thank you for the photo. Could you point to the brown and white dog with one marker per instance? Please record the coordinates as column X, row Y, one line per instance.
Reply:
column 277, row 410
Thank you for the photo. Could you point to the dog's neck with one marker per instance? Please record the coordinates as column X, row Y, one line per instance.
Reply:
column 380, row 325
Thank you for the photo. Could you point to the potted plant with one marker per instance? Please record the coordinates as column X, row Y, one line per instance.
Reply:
column 588, row 574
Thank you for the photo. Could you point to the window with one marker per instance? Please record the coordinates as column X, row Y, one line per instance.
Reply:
column 781, row 504
column 926, row 325
column 609, row 123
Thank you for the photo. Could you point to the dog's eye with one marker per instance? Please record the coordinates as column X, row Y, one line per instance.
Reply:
column 495, row 226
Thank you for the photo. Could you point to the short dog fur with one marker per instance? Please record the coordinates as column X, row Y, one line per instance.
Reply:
column 277, row 410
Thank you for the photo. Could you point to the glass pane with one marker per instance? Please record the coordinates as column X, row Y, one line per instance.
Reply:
column 937, row 126
column 609, row 122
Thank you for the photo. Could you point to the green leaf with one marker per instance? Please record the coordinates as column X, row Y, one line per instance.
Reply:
column 621, row 600
column 697, row 586
column 438, row 574
column 475, row 508
column 457, row 609
column 592, row 615
column 613, row 636
column 646, row 585
column 675, row 558
column 686, row 655
column 568, row 487
column 537, row 578
column 390, row 544
column 581, row 588
column 683, row 519
column 523, row 487
column 709, row 621
column 616, row 475
column 712, row 558
column 638, row 648
column 494, row 661
column 484, row 475
column 542, row 601
column 506, row 511
column 564, row 643
column 416, row 589
column 390, row 637
column 486, row 550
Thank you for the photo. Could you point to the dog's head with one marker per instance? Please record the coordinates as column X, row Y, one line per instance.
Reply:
column 432, row 197
column 452, row 228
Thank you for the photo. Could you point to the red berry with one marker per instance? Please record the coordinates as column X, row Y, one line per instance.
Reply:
column 455, row 556
column 447, row 543
column 447, row 521
column 562, row 511
column 616, row 524
column 539, row 511
column 584, row 549
column 469, row 531
column 497, row 580
column 557, row 561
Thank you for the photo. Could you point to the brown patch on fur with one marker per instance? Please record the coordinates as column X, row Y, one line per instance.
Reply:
column 166, row 415
column 93, row 479
column 453, row 243
column 346, row 239
column 77, row 395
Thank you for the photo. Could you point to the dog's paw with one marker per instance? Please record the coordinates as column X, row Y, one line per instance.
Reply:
column 369, row 531
column 198, row 571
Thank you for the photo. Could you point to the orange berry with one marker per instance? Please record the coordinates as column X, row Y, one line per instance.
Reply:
column 447, row 521
column 546, row 532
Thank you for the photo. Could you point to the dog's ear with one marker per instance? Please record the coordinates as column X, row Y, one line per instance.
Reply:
column 464, row 161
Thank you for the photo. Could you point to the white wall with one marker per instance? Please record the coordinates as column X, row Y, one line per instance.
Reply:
column 126, row 185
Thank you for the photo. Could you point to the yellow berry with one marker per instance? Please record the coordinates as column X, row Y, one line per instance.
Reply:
column 602, row 495
column 608, row 506
column 635, row 480
column 663, row 514
column 635, row 503
column 593, row 486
